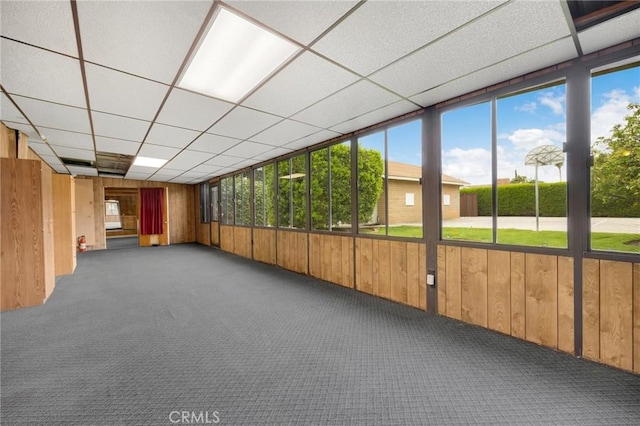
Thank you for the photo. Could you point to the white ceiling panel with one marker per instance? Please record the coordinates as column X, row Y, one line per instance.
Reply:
column 244, row 163
column 27, row 71
column 78, row 154
column 83, row 171
column 301, row 20
column 550, row 54
column 192, row 111
column 166, row 28
column 206, row 168
column 213, row 143
column 8, row 111
column 55, row 116
column 242, row 123
column 351, row 102
column 171, row 136
column 70, row 139
column 137, row 176
column 305, row 81
column 187, row 159
column 26, row 129
column 158, row 177
column 51, row 160
column 60, row 169
column 156, row 151
column 412, row 24
column 318, row 137
column 247, row 149
column 193, row 174
column 50, row 24
column 42, row 149
column 374, row 117
column 223, row 160
column 284, row 132
column 122, row 94
column 617, row 30
column 114, row 126
column 116, row 146
column 276, row 152
column 142, row 170
column 181, row 179
column 508, row 31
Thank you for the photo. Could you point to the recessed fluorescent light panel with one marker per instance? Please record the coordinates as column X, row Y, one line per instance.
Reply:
column 149, row 162
column 234, row 57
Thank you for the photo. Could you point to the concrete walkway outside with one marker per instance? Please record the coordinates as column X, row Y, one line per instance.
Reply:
column 599, row 224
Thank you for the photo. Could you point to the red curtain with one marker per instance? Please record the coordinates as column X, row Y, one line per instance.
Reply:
column 151, row 208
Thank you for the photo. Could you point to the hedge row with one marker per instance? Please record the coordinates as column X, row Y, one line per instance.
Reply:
column 520, row 200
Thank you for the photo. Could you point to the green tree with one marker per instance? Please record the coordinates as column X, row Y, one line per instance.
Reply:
column 370, row 172
column 616, row 169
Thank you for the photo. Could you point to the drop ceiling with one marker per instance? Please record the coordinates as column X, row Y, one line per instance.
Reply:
column 98, row 78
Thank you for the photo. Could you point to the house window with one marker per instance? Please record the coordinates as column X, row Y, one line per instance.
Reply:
column 331, row 187
column 204, row 203
column 446, row 199
column 264, row 195
column 242, row 199
column 409, row 199
column 292, row 190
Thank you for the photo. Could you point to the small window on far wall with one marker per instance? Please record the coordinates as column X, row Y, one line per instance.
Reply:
column 409, row 199
column 446, row 200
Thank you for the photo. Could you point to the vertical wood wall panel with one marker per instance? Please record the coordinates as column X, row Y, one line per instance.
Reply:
column 591, row 309
column 541, row 323
column 453, row 288
column 398, row 271
column 347, row 262
column 264, row 245
column 413, row 275
column 473, row 286
column 422, row 267
column 292, row 251
column 215, row 234
column 636, row 317
column 616, row 322
column 226, row 238
column 64, row 218
column 499, row 291
column 442, row 280
column 364, row 282
column 242, row 241
column 314, row 255
column 384, row 269
column 375, row 267
column 85, row 211
column 565, row 305
column 518, row 298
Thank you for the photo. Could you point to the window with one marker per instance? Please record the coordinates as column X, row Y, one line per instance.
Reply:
column 409, row 199
column 615, row 175
column 214, row 202
column 292, row 189
column 264, row 195
column 331, row 187
column 204, row 203
column 446, row 199
column 531, row 167
column 389, row 168
column 242, row 199
column 226, row 201
column 466, row 174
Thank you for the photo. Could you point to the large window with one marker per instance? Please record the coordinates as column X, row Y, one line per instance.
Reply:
column 242, row 199
column 467, row 201
column 226, row 201
column 264, row 195
column 214, row 202
column 615, row 175
column 204, row 203
column 390, row 181
column 531, row 166
column 331, row 188
column 292, row 190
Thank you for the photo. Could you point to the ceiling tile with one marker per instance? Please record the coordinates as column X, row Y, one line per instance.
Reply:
column 142, row 170
column 137, row 176
column 171, row 136
column 276, row 152
column 8, row 111
column 390, row 111
column 122, row 94
column 181, row 179
column 42, row 149
column 223, row 160
column 550, row 54
column 284, row 132
column 321, row 136
column 244, row 163
column 192, row 111
column 114, row 126
column 247, row 149
column 50, row 24
column 303, row 82
column 63, row 86
column 351, row 102
column 156, row 151
column 70, row 139
column 242, row 123
column 193, row 174
column 26, row 129
column 60, row 169
column 526, row 25
column 78, row 154
column 213, row 143
column 388, row 30
column 83, row 171
column 206, row 168
column 608, row 33
column 134, row 29
column 301, row 20
column 55, row 116
column 51, row 160
column 187, row 159
column 116, row 146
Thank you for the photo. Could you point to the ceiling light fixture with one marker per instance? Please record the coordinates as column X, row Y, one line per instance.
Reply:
column 149, row 162
column 234, row 56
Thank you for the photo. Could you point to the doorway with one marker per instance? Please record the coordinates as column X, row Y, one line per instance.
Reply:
column 121, row 217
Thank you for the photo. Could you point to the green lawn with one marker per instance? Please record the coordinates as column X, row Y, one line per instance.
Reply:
column 599, row 240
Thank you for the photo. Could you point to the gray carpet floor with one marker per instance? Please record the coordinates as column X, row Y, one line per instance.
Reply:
column 122, row 242
column 135, row 336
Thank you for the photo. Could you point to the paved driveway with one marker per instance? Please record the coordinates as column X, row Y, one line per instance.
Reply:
column 599, row 224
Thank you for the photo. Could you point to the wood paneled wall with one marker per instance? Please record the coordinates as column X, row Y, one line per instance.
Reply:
column 64, row 217
column 181, row 208
column 242, row 241
column 526, row 295
column 611, row 313
column 394, row 270
column 292, row 250
column 85, row 211
column 264, row 245
column 227, row 242
column 215, row 234
column 331, row 258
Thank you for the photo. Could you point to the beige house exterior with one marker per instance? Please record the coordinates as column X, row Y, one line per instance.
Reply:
column 405, row 195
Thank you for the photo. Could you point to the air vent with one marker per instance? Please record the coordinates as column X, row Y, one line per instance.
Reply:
column 76, row 162
column 113, row 165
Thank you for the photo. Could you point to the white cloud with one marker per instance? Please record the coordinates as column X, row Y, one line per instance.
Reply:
column 471, row 165
column 528, row 107
column 555, row 103
column 527, row 139
column 611, row 112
